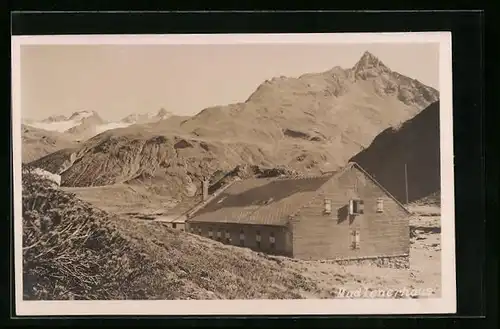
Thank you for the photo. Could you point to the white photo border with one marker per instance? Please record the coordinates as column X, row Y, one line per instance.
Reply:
column 445, row 304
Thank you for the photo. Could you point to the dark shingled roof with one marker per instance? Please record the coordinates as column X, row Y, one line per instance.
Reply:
column 265, row 201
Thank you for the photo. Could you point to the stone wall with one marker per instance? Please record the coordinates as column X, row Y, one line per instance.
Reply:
column 400, row 262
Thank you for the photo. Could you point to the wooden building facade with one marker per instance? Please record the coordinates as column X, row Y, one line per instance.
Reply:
column 340, row 215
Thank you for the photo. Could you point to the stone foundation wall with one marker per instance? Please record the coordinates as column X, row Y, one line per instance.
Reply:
column 401, row 262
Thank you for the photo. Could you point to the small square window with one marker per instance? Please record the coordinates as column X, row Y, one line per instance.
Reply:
column 257, row 239
column 380, row 205
column 242, row 238
column 210, row 233
column 354, row 239
column 174, row 225
column 272, row 240
column 328, row 206
column 356, row 207
column 199, row 230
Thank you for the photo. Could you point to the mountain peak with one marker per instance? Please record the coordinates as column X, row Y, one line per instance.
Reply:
column 369, row 55
column 162, row 112
column 368, row 60
column 369, row 65
column 78, row 115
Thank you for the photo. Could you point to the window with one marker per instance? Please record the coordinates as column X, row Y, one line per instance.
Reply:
column 174, row 225
column 356, row 207
column 242, row 238
column 380, row 205
column 354, row 239
column 328, row 206
column 272, row 240
column 199, row 230
column 219, row 234
column 191, row 229
column 257, row 239
column 210, row 233
column 228, row 236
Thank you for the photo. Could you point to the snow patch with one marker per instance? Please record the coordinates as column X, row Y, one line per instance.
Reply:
column 112, row 125
column 60, row 126
column 54, row 178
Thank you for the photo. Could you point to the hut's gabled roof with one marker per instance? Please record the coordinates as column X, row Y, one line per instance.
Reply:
column 265, row 201
column 269, row 201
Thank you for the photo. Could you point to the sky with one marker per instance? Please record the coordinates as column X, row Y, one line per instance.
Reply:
column 117, row 80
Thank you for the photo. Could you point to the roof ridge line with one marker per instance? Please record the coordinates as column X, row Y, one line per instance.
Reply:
column 400, row 204
column 306, row 176
column 318, row 191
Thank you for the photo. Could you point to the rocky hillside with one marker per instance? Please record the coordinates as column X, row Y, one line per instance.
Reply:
column 307, row 124
column 417, row 144
column 37, row 143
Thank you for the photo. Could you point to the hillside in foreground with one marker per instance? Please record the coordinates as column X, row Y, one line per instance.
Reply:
column 74, row 251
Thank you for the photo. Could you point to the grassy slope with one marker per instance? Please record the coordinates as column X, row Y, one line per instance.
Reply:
column 71, row 250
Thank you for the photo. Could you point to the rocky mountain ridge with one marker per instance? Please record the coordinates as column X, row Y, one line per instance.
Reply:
column 407, row 156
column 315, row 122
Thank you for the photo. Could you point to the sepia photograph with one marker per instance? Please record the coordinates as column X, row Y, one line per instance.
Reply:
column 233, row 174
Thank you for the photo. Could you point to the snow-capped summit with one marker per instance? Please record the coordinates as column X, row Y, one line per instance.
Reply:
column 85, row 124
column 61, row 123
column 163, row 114
column 135, row 118
column 80, row 115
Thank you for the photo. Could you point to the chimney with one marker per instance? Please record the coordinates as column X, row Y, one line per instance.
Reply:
column 205, row 189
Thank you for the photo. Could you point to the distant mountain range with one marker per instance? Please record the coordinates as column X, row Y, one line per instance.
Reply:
column 85, row 124
column 147, row 117
column 314, row 122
